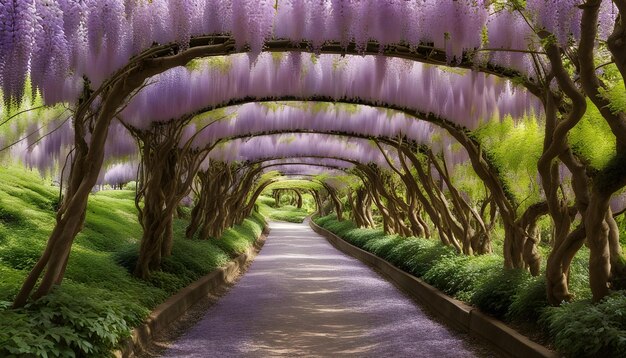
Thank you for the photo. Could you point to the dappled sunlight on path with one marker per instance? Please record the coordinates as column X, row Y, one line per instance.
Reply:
column 302, row 297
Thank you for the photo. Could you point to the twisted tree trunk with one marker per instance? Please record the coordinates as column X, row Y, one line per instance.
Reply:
column 87, row 161
column 607, row 267
column 336, row 201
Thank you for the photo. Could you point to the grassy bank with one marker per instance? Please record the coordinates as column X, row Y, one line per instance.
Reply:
column 99, row 302
column 577, row 329
column 289, row 213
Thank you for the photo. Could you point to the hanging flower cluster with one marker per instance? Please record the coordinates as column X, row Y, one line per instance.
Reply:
column 58, row 43
column 261, row 118
column 467, row 98
column 299, row 145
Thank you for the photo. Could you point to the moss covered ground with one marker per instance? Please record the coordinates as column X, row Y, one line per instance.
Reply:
column 99, row 301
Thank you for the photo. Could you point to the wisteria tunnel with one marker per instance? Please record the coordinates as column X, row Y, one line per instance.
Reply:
column 315, row 178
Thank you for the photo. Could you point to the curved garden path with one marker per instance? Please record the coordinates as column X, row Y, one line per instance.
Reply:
column 302, row 297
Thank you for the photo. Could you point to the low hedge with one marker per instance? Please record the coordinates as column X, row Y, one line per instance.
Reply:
column 577, row 329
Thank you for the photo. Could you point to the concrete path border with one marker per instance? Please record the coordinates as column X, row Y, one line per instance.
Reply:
column 504, row 339
column 175, row 306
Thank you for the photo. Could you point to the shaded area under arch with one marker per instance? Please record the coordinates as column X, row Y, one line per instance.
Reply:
column 302, row 297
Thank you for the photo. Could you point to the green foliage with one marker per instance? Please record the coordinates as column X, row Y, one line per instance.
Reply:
column 496, row 294
column 73, row 321
column 287, row 213
column 9, row 216
column 514, row 148
column 295, row 184
column 166, row 281
column 582, row 329
column 236, row 240
column 578, row 329
column 10, row 281
column 265, row 200
column 383, row 245
column 403, row 255
column 99, row 301
column 592, row 138
column 529, row 301
column 22, row 256
column 616, row 89
column 460, row 276
column 267, row 207
column 425, row 259
column 131, row 186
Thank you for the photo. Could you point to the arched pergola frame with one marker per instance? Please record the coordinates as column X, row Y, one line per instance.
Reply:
column 97, row 107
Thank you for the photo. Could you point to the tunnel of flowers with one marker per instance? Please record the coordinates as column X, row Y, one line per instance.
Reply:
column 477, row 144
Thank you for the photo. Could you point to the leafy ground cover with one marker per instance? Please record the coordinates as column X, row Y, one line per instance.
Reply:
column 289, row 213
column 577, row 329
column 100, row 301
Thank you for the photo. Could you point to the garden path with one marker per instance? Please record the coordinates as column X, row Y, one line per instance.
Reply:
column 302, row 297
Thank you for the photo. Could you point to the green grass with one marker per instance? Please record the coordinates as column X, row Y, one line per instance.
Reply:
column 578, row 329
column 284, row 213
column 99, row 300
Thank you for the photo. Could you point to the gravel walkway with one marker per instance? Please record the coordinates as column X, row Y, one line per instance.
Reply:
column 302, row 297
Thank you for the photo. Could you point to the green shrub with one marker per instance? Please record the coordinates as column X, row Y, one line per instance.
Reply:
column 383, row 245
column 423, row 260
column 356, row 236
column 529, row 301
column 579, row 275
column 403, row 254
column 583, row 329
column 127, row 256
column 131, row 185
column 339, row 228
column 322, row 220
column 235, row 241
column 10, row 282
column 166, row 281
column 461, row 275
column 70, row 321
column 443, row 273
column 497, row 293
column 199, row 257
column 578, row 329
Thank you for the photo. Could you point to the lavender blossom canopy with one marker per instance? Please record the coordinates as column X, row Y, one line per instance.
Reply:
column 259, row 118
column 465, row 98
column 59, row 42
column 299, row 145
column 327, row 162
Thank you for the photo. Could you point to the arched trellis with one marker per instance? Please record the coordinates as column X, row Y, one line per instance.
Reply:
column 332, row 192
column 89, row 160
column 317, row 165
column 219, row 45
column 363, row 201
column 393, row 219
column 398, row 208
column 516, row 236
column 481, row 162
column 237, row 188
column 88, row 156
column 90, row 170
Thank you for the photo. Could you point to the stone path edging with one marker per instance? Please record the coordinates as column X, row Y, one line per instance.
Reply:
column 175, row 306
column 503, row 338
